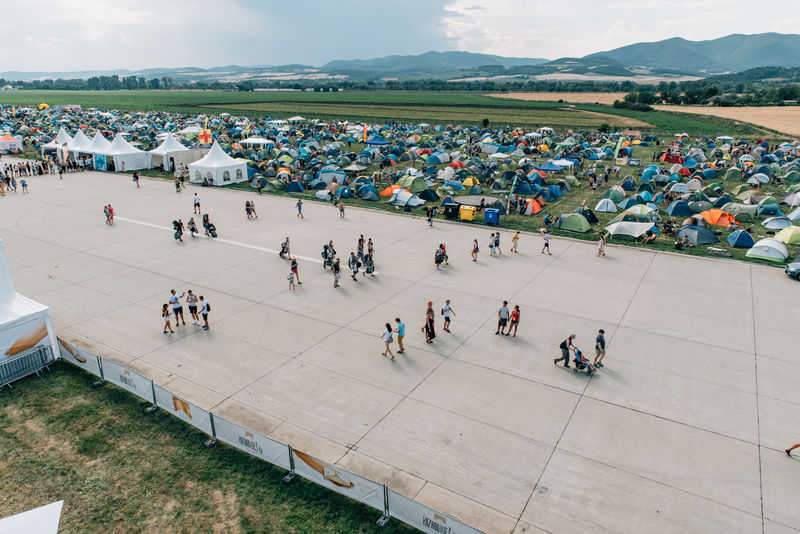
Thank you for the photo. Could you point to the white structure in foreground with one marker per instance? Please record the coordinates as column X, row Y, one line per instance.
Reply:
column 217, row 167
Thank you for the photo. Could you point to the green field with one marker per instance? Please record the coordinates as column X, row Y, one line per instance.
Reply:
column 119, row 469
column 403, row 106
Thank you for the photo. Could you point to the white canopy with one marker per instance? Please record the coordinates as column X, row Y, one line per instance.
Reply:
column 255, row 141
column 42, row 520
column 98, row 145
column 80, row 143
column 296, row 118
column 126, row 156
column 169, row 145
column 62, row 136
column 218, row 167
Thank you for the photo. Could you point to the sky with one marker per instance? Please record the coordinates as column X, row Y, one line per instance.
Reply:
column 70, row 35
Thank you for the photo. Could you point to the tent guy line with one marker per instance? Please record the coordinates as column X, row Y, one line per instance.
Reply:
column 219, row 240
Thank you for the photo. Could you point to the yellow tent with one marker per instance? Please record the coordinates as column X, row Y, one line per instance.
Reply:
column 789, row 235
column 469, row 182
column 44, row 106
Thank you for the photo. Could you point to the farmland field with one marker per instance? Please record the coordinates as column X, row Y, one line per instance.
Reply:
column 441, row 107
column 784, row 119
column 577, row 98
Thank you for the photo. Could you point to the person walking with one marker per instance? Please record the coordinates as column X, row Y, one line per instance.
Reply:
column 340, row 205
column 514, row 321
column 24, row 185
column 294, row 269
column 565, row 347
column 438, row 257
column 110, row 214
column 387, row 340
column 192, row 226
column 491, row 245
column 205, row 308
column 497, row 243
column 107, row 214
column 515, row 242
column 337, row 272
column 601, row 245
column 599, row 348
column 475, row 250
column 429, row 327
column 502, row 319
column 546, row 238
column 299, row 205
column 354, row 264
column 447, row 311
column 191, row 300
column 136, row 178
column 401, row 334
column 177, row 308
column 196, row 205
column 166, row 319
column 291, row 280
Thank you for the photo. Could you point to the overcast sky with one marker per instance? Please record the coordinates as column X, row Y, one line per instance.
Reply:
column 70, row 35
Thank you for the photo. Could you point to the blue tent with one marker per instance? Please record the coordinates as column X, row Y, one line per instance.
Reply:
column 455, row 185
column 740, row 239
column 523, row 188
column 366, row 189
column 294, row 187
column 557, row 192
column 377, row 140
column 628, row 203
column 679, row 208
column 698, row 235
column 549, row 167
column 769, row 209
column 448, row 200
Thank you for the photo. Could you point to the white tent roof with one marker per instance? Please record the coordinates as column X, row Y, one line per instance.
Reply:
column 296, row 118
column 99, row 144
column 121, row 146
column 170, row 144
column 42, row 520
column 80, row 142
column 255, row 141
column 215, row 158
column 62, row 136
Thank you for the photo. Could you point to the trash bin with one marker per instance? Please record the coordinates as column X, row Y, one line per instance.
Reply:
column 451, row 211
column 491, row 216
column 467, row 213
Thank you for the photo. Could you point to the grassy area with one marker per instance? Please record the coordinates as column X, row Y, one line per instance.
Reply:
column 119, row 469
column 405, row 106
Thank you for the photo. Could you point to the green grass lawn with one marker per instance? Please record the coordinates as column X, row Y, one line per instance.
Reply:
column 451, row 107
column 119, row 469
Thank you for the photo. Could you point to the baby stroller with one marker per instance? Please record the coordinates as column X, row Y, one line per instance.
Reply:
column 284, row 250
column 211, row 230
column 581, row 363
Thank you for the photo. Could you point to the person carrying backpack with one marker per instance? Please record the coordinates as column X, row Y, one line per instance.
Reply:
column 565, row 347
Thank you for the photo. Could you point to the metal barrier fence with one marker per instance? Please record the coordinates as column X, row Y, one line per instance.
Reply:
column 24, row 364
column 386, row 501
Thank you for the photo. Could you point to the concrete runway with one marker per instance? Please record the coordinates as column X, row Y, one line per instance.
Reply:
column 682, row 431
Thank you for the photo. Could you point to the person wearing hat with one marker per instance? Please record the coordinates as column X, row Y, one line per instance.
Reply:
column 599, row 348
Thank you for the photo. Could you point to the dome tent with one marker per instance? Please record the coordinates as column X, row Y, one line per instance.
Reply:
column 218, row 167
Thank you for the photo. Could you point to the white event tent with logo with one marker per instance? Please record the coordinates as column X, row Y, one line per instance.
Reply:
column 218, row 168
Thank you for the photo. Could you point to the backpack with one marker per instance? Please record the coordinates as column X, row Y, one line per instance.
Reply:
column 208, row 306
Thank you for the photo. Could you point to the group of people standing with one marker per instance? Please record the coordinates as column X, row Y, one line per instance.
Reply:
column 198, row 306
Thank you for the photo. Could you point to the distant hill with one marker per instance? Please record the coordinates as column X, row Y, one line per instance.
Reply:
column 732, row 53
column 430, row 62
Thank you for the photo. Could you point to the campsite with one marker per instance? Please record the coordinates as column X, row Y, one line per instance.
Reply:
column 445, row 268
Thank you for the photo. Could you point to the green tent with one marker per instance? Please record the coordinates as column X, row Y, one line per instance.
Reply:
column 793, row 177
column 573, row 222
column 733, row 174
column 415, row 184
column 572, row 181
column 614, row 195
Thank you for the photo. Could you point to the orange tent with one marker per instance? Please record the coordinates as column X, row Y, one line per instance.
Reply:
column 534, row 206
column 390, row 190
column 718, row 217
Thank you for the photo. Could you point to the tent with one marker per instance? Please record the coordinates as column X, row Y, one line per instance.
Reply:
column 629, row 230
column 218, row 167
column 587, row 213
column 768, row 249
column 740, row 239
column 10, row 143
column 294, row 187
column 606, row 205
column 718, row 217
column 403, row 198
column 42, row 520
column 698, row 235
column 789, row 235
column 679, row 208
column 26, row 326
column 776, row 223
column 573, row 222
column 172, row 153
column 415, row 184
column 126, row 156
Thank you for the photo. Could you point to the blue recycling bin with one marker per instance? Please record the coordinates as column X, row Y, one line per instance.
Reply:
column 491, row 216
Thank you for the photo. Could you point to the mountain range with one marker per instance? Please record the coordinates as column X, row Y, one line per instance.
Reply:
column 675, row 57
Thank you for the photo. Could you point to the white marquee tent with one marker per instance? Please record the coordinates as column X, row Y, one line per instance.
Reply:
column 126, row 156
column 169, row 148
column 218, row 167
column 80, row 143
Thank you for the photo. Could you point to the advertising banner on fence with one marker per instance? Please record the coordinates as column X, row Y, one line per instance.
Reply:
column 182, row 409
column 339, row 480
column 80, row 357
column 253, row 443
column 420, row 516
column 126, row 379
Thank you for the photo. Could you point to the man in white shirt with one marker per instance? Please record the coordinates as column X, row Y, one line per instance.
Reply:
column 447, row 310
column 502, row 319
column 177, row 308
column 196, row 203
column 205, row 307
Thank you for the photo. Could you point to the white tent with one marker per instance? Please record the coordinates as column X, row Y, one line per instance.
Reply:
column 62, row 139
column 167, row 153
column 255, row 141
column 218, row 167
column 25, row 325
column 62, row 136
column 42, row 520
column 80, row 143
column 126, row 156
column 99, row 144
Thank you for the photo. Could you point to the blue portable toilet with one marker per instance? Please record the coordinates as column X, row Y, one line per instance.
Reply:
column 491, row 216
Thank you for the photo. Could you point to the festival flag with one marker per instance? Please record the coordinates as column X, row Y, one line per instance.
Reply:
column 205, row 136
column 365, row 133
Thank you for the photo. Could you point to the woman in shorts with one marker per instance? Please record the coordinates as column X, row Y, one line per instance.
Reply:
column 387, row 340
column 514, row 320
column 165, row 315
